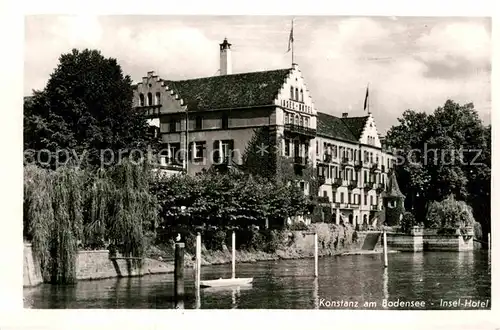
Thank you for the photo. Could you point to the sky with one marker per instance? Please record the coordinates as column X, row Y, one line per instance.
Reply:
column 407, row 62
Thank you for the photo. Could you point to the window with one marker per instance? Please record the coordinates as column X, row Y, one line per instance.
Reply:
column 173, row 125
column 287, row 117
column 173, row 154
column 157, row 98
column 301, row 95
column 342, row 197
column 317, row 147
column 325, row 193
column 141, row 100
column 222, row 152
column 334, row 151
column 196, row 150
column 306, row 121
column 296, row 94
column 301, row 122
column 296, row 120
column 225, row 121
column 150, row 99
column 349, row 197
column 366, row 199
column 371, row 200
column 365, row 177
column 287, row 147
column 291, row 92
column 198, row 123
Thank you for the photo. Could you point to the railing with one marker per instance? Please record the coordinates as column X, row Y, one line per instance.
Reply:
column 327, row 158
column 374, row 207
column 297, row 129
column 299, row 160
column 323, row 199
column 151, row 111
column 358, row 164
column 374, row 167
column 337, row 182
column 344, row 161
column 369, row 185
column 352, row 184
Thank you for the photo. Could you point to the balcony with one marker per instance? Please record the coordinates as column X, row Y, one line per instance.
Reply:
column 369, row 185
column 344, row 161
column 374, row 167
column 352, row 184
column 380, row 188
column 151, row 111
column 337, row 182
column 327, row 158
column 323, row 200
column 301, row 130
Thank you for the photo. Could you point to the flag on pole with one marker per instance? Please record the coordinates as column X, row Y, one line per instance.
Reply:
column 290, row 39
column 366, row 99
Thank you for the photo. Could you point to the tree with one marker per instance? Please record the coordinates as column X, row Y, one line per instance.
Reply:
column 85, row 108
column 437, row 157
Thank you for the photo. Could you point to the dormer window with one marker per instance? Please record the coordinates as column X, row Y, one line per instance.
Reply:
column 141, row 100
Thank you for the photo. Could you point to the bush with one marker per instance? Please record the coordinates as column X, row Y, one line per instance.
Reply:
column 407, row 222
column 298, row 226
column 274, row 240
column 449, row 214
column 215, row 239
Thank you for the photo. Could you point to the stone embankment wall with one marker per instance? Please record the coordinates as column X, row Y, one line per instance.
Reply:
column 91, row 265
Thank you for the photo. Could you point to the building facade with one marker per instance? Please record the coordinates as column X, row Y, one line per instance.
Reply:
column 215, row 118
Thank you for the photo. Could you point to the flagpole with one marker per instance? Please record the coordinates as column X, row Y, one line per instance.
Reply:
column 293, row 41
column 368, row 88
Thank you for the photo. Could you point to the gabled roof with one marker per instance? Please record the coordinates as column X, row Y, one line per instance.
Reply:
column 230, row 91
column 347, row 129
column 356, row 125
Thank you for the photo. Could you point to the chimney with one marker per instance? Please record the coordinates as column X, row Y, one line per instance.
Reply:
column 225, row 58
column 344, row 114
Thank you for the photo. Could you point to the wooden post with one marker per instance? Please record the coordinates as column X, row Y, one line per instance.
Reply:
column 315, row 254
column 385, row 249
column 234, row 254
column 198, row 260
column 179, row 275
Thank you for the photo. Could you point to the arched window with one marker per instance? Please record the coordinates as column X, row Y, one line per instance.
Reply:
column 291, row 92
column 301, row 95
column 296, row 94
column 306, row 122
column 301, row 122
column 296, row 120
column 286, row 117
column 157, row 98
column 150, row 99
column 141, row 100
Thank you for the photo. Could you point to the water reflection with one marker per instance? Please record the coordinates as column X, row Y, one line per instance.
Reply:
column 290, row 284
column 316, row 293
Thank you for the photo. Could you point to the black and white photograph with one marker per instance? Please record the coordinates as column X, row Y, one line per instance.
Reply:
column 257, row 162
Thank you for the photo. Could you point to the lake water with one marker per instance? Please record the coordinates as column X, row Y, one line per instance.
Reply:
column 438, row 279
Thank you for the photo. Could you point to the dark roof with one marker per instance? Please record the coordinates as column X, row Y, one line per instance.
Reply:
column 348, row 129
column 393, row 187
column 230, row 91
column 356, row 125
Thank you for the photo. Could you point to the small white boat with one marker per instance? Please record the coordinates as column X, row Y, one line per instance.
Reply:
column 221, row 282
